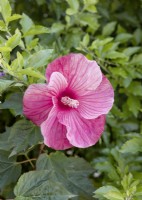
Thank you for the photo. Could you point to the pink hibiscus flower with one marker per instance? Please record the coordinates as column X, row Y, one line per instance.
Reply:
column 71, row 107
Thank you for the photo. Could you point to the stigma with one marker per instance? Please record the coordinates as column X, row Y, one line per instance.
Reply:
column 73, row 103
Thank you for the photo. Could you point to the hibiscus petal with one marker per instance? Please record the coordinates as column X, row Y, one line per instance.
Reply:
column 54, row 133
column 81, row 74
column 99, row 102
column 82, row 132
column 37, row 103
column 57, row 83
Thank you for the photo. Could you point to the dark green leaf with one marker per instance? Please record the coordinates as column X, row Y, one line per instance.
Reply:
column 9, row 169
column 39, row 185
column 14, row 103
column 24, row 134
column 71, row 172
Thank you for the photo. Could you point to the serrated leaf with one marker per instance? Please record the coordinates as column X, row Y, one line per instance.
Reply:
column 132, row 146
column 40, row 185
column 36, row 30
column 4, row 84
column 109, row 28
column 5, row 9
column 23, row 134
column 9, row 170
column 71, row 172
column 14, row 103
column 40, row 58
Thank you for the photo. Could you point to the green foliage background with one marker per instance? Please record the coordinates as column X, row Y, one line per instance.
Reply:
column 33, row 33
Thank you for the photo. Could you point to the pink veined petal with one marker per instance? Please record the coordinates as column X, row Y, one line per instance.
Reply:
column 82, row 132
column 54, row 133
column 57, row 83
column 99, row 102
column 37, row 103
column 81, row 74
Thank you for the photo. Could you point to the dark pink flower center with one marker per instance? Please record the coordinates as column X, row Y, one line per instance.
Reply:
column 73, row 103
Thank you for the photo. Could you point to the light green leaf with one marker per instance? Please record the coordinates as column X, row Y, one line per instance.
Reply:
column 9, row 170
column 2, row 26
column 14, row 17
column 134, row 104
column 71, row 172
column 109, row 192
column 40, row 58
column 14, row 103
column 137, row 60
column 36, row 29
column 26, row 24
column 23, row 135
column 4, row 84
column 109, row 28
column 30, row 72
column 14, row 41
column 40, row 185
column 4, row 143
column 131, row 50
column 5, row 9
column 123, row 37
column 74, row 5
column 132, row 146
column 56, row 27
column 115, row 55
column 5, row 49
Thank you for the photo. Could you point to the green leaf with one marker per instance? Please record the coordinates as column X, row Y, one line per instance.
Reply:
column 14, row 17
column 36, row 29
column 109, row 192
column 14, row 103
column 30, row 72
column 23, row 135
column 40, row 185
column 56, row 27
column 137, row 60
column 9, row 170
column 123, row 37
column 88, row 19
column 109, row 28
column 14, row 41
column 131, row 50
column 71, row 172
column 4, row 143
column 74, row 6
column 40, row 58
column 5, row 9
column 4, row 84
column 26, row 24
column 115, row 55
column 2, row 26
column 132, row 146
column 134, row 105
column 5, row 49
